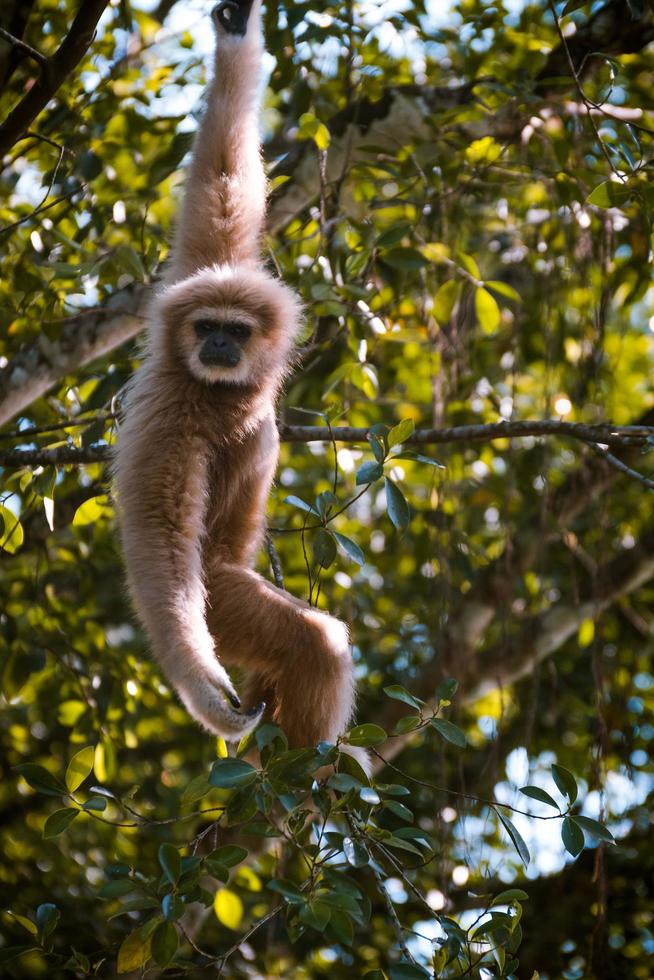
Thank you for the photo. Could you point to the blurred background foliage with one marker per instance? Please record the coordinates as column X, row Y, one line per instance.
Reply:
column 469, row 228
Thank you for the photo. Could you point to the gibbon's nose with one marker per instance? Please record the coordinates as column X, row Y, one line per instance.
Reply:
column 220, row 351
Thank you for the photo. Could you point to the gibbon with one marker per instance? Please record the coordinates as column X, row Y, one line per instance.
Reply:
column 198, row 447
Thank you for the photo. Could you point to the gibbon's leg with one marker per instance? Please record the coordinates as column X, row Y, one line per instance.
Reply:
column 300, row 653
column 162, row 523
column 225, row 197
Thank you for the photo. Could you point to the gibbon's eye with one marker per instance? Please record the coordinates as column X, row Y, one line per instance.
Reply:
column 203, row 328
column 236, row 329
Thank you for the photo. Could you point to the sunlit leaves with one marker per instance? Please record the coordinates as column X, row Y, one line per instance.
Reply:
column 311, row 128
column 91, row 511
column 488, row 312
column 228, row 908
column 79, row 767
column 11, row 531
column 135, row 950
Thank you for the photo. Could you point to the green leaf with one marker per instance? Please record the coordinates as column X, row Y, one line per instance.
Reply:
column 445, row 301
column 98, row 803
column 229, row 855
column 503, row 289
column 405, row 259
column 79, row 767
column 172, row 907
column 487, row 310
column 572, row 836
column 609, row 194
column 343, row 782
column 351, row 548
column 536, row 793
column 401, row 432
column 324, row 548
column 369, row 472
column 418, row 458
column 325, row 501
column 510, row 895
column 232, row 773
column 11, row 531
column 134, row 951
column 401, row 811
column 311, row 128
column 370, row 796
column 393, row 236
column 408, row 971
column 565, row 782
column 228, row 908
column 171, row 862
column 41, row 780
column 595, row 828
column 164, row 943
column 449, row 731
column 58, row 821
column 399, row 693
column 355, row 853
column 364, row 735
column 446, row 690
column 398, row 508
column 198, row 787
column 301, row 505
column 291, row 892
column 92, row 510
column 9, row 953
column 516, row 839
column 24, row 922
column 47, row 917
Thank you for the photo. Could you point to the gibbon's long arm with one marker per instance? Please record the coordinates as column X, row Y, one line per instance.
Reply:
column 223, row 211
column 163, row 532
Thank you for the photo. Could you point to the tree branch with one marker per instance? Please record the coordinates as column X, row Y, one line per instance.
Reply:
column 54, row 72
column 85, row 337
column 616, row 435
column 536, row 639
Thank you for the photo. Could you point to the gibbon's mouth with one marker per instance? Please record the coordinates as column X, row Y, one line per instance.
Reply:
column 224, row 358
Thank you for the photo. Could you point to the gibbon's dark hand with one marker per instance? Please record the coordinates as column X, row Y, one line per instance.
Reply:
column 232, row 16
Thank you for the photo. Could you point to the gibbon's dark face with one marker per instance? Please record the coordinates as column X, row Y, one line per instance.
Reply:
column 222, row 342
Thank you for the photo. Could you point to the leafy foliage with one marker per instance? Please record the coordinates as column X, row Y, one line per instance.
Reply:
column 489, row 259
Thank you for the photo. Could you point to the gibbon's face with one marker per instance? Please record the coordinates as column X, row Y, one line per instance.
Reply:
column 224, row 345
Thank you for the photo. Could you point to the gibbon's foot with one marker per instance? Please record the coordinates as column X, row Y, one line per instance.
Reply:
column 232, row 16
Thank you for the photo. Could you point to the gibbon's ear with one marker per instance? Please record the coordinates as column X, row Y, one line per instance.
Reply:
column 232, row 16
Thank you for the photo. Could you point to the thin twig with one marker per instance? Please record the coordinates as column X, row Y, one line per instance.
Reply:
column 27, row 49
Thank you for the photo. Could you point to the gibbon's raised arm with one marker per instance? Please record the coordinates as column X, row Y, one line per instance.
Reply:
column 224, row 205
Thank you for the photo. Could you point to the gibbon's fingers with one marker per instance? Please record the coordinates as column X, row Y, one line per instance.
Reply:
column 207, row 703
column 232, row 16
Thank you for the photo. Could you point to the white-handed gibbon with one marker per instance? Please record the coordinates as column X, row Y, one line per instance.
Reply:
column 198, row 446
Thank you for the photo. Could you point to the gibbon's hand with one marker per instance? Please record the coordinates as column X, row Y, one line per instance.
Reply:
column 232, row 16
column 210, row 697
